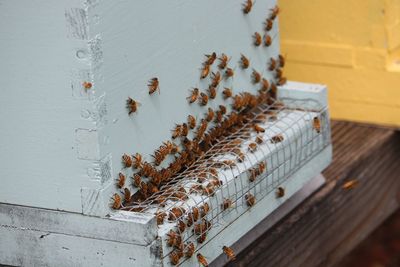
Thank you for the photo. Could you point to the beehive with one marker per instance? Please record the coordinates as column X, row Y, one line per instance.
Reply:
column 86, row 60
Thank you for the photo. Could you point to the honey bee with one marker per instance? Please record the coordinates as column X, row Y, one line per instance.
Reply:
column 274, row 89
column 161, row 200
column 152, row 189
column 317, row 124
column 274, row 12
column 229, row 73
column 278, row 73
column 200, row 132
column 205, row 71
column 210, row 59
column 121, row 180
column 257, row 39
column 261, row 167
column 261, row 117
column 127, row 195
column 184, row 130
column 227, row 93
column 160, row 217
column 143, row 188
column 201, row 227
column 247, row 6
column 173, row 148
column 137, row 161
column 180, row 195
column 219, row 117
column 181, row 226
column 280, row 192
column 136, row 180
column 203, row 125
column 204, row 209
column 237, row 102
column 244, row 62
column 267, row 40
column 350, row 184
column 87, row 85
column 195, row 213
column 222, row 108
column 175, row 213
column 226, row 204
column 272, row 64
column 276, row 139
column 268, row 24
column 252, row 147
column 127, row 161
column 153, row 85
column 210, row 114
column 215, row 182
column 259, row 140
column 229, row 253
column 258, row 128
column 216, row 79
column 223, row 61
column 158, row 158
column 202, row 238
column 191, row 121
column 256, row 76
column 188, row 250
column 282, row 81
column 228, row 164
column 212, row 92
column 209, row 190
column 253, row 174
column 132, row 105
column 203, row 99
column 202, row 260
column 213, row 171
column 176, row 132
column 174, row 239
column 189, row 218
column 117, row 201
column 194, row 94
column 264, row 85
column 175, row 256
column 147, row 170
column 240, row 157
column 250, row 199
column 281, row 61
column 156, row 179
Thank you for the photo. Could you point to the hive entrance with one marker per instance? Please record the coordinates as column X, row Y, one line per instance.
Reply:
column 238, row 169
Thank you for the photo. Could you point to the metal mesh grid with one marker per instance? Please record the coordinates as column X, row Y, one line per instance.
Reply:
column 239, row 170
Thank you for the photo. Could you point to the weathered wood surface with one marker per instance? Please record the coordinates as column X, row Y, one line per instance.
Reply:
column 334, row 220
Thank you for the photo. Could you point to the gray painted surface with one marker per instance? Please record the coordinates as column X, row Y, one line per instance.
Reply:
column 61, row 144
column 39, row 163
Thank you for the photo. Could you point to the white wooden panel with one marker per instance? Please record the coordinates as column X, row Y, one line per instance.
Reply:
column 24, row 247
column 65, row 143
column 39, row 115
column 140, row 229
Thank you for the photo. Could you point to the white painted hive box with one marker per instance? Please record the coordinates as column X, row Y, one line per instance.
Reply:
column 62, row 143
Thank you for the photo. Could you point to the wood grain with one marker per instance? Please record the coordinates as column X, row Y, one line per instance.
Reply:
column 334, row 220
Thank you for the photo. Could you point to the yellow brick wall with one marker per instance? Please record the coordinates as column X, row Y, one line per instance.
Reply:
column 353, row 46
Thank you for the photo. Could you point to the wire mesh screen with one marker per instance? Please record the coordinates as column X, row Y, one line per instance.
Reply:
column 236, row 171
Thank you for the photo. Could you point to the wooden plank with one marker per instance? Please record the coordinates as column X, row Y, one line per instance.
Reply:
column 328, row 225
column 65, row 250
column 120, row 227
